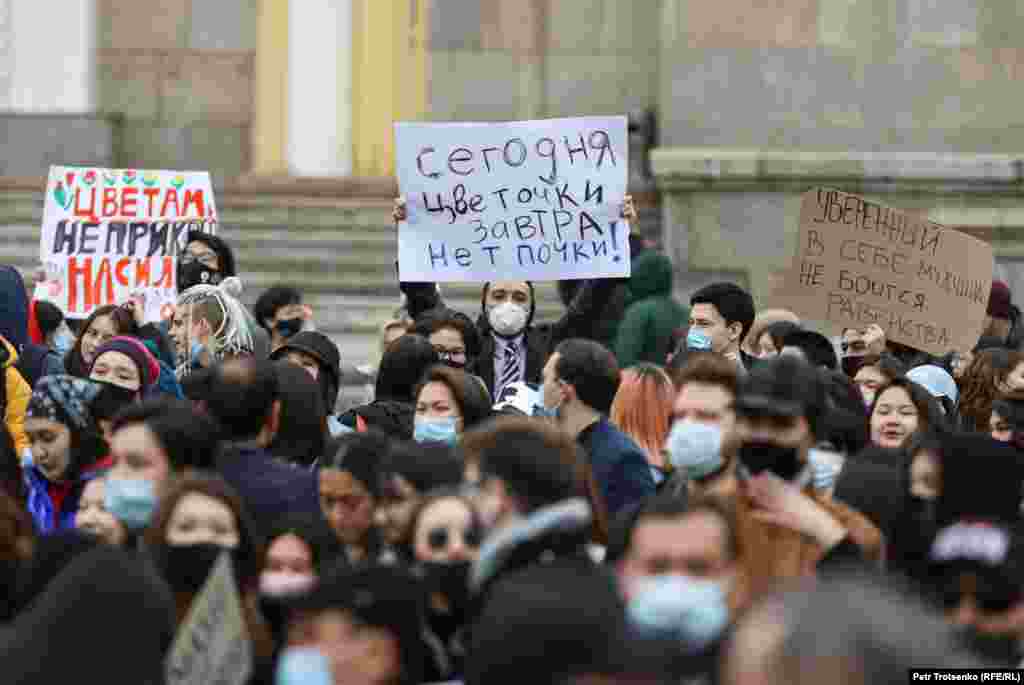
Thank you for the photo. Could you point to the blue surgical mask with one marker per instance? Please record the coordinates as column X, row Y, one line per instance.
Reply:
column 26, row 458
column 303, row 666
column 195, row 353
column 692, row 611
column 63, row 341
column 444, row 429
column 694, row 448
column 130, row 500
column 825, row 468
column 286, row 328
column 697, row 341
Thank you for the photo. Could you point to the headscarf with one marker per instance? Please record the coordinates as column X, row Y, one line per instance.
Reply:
column 66, row 400
column 234, row 337
column 146, row 363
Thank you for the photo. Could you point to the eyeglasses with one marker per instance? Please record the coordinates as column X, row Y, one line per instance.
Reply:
column 440, row 538
column 206, row 259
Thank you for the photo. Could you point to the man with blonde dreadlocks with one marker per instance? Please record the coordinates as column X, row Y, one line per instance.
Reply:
column 210, row 325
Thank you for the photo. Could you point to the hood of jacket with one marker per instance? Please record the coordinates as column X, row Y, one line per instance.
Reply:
column 13, row 306
column 652, row 275
column 560, row 526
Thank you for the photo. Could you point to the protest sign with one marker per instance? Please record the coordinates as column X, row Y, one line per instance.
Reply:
column 525, row 200
column 110, row 234
column 212, row 646
column 860, row 263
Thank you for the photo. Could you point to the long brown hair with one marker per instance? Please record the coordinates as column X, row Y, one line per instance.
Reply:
column 124, row 322
column 979, row 385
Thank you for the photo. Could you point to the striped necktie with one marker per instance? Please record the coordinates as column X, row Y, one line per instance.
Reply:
column 510, row 370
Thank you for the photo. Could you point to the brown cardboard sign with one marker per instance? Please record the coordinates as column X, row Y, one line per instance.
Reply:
column 860, row 263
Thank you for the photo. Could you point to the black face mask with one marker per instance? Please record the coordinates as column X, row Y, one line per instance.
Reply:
column 196, row 273
column 186, row 567
column 758, row 456
column 286, row 328
column 111, row 400
column 450, row 580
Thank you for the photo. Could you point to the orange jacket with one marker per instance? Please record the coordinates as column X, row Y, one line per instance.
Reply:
column 18, row 394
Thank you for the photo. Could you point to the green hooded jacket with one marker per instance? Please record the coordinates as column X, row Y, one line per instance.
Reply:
column 645, row 334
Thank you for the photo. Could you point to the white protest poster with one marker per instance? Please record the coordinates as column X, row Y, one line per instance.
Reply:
column 212, row 646
column 110, row 234
column 525, row 200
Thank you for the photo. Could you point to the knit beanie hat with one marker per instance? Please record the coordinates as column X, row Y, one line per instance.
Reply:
column 149, row 368
column 66, row 400
column 1000, row 301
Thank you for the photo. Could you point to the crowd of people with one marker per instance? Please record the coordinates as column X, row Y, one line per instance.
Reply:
column 643, row 491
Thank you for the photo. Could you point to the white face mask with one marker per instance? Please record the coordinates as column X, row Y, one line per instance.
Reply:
column 508, row 319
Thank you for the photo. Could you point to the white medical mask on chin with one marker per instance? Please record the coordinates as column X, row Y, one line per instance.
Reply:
column 508, row 319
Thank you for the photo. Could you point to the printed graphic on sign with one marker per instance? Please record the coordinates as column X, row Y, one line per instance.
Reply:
column 109, row 235
column 526, row 200
column 860, row 263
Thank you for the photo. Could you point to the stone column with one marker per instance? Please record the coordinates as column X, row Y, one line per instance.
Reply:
column 319, row 87
column 47, row 56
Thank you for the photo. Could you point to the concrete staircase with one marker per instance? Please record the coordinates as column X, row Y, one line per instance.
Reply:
column 334, row 243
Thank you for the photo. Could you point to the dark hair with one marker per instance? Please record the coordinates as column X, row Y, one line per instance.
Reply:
column 124, row 324
column 532, row 459
column 847, row 419
column 434, row 497
column 189, row 438
column 241, row 395
column 471, row 396
column 816, row 348
column 426, row 465
column 11, row 481
column 710, row 369
column 322, row 543
column 888, row 365
column 273, row 299
column 483, row 304
column 734, row 304
column 224, row 254
column 250, row 544
column 440, row 319
column 778, row 332
column 49, row 316
column 361, row 454
column 403, row 365
column 591, row 368
column 302, row 427
column 929, row 413
column 1012, row 412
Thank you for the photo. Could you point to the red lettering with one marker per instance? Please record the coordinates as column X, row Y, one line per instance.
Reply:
column 104, row 284
column 85, row 273
column 110, row 202
column 151, row 193
column 195, row 197
column 172, row 194
column 129, row 198
column 121, row 271
column 89, row 211
column 142, row 272
column 167, row 277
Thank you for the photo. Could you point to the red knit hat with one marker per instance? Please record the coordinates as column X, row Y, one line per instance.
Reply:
column 149, row 368
column 1000, row 301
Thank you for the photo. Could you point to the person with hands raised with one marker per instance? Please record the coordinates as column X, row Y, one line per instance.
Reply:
column 787, row 528
column 513, row 348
